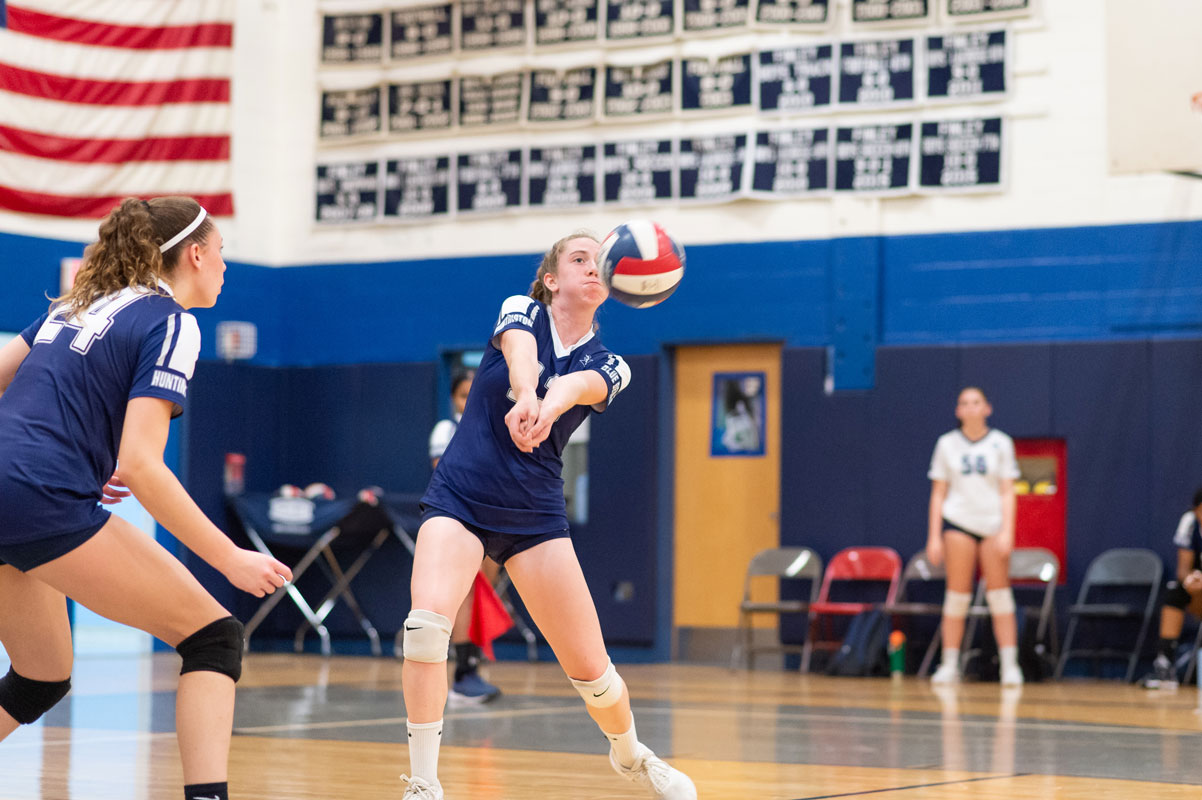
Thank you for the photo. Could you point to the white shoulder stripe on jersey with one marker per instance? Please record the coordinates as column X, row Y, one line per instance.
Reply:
column 623, row 371
column 187, row 347
column 517, row 304
column 170, row 335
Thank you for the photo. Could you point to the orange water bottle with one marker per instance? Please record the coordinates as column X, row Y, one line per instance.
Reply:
column 897, row 654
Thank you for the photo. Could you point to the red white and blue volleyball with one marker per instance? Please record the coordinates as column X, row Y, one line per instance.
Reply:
column 641, row 263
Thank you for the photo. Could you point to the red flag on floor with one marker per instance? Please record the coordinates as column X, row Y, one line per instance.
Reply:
column 489, row 617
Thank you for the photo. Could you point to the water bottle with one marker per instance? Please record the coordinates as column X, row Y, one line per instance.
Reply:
column 897, row 655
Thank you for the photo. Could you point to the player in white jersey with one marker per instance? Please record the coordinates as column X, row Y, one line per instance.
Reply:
column 971, row 519
column 95, row 380
column 498, row 491
column 468, row 687
column 1182, row 594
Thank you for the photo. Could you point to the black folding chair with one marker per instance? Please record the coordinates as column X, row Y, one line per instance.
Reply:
column 1118, row 569
column 315, row 529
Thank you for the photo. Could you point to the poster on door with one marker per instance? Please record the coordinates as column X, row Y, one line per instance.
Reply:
column 739, row 409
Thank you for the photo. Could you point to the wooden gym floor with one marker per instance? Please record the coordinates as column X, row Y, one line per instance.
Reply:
column 314, row 729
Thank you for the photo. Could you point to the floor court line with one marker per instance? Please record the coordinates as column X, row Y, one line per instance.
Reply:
column 916, row 786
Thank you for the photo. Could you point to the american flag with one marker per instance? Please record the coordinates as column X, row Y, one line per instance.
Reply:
column 106, row 99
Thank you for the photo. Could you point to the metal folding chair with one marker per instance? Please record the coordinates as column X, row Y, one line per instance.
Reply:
column 1030, row 568
column 1117, row 569
column 313, row 527
column 919, row 571
column 783, row 563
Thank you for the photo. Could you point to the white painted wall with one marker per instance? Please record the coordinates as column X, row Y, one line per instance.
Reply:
column 1057, row 158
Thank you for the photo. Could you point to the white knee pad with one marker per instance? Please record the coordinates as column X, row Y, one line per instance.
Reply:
column 955, row 604
column 602, row 692
column 1000, row 601
column 427, row 637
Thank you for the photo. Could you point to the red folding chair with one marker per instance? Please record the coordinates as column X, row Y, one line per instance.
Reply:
column 852, row 564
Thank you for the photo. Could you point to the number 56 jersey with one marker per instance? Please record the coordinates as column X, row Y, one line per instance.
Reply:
column 62, row 415
column 974, row 471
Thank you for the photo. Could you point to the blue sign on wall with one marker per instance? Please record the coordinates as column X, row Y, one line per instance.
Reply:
column 707, row 85
column 711, row 167
column 490, row 180
column 796, row 78
column 417, row 188
column 876, row 73
column 487, row 24
column 562, row 177
column 560, row 21
column 789, row 162
column 354, row 112
column 961, row 154
column 348, row 192
column 965, row 66
column 873, row 158
column 626, row 20
column 352, row 38
column 422, row 31
column 739, row 410
column 419, row 106
column 638, row 171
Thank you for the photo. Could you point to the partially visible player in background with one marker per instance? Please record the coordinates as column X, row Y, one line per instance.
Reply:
column 1182, row 594
column 971, row 519
column 93, row 382
column 467, row 687
column 498, row 491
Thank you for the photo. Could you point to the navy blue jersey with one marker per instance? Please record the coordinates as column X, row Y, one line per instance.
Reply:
column 483, row 478
column 62, row 415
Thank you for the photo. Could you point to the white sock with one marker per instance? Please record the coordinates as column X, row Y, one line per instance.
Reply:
column 424, row 739
column 951, row 656
column 1009, row 657
column 625, row 745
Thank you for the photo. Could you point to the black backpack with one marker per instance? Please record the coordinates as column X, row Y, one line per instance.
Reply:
column 863, row 651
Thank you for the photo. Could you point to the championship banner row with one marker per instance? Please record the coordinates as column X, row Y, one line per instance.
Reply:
column 862, row 75
column 483, row 25
column 892, row 158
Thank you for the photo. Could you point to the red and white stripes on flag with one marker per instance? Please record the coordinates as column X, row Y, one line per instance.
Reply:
column 106, row 99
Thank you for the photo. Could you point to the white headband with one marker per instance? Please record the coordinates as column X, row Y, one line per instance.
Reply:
column 179, row 237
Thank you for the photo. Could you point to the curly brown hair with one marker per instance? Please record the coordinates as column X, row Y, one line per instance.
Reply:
column 550, row 265
column 127, row 253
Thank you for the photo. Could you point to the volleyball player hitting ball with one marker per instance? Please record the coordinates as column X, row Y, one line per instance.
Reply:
column 93, row 383
column 971, row 519
column 498, row 491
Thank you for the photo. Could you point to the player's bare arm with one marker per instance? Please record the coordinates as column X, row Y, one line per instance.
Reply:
column 143, row 439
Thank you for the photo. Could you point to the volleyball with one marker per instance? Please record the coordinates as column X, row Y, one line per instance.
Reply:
column 641, row 263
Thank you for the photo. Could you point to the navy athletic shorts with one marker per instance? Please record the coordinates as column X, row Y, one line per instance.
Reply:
column 500, row 547
column 951, row 526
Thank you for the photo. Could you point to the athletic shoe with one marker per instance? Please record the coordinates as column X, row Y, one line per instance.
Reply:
column 947, row 673
column 421, row 789
column 1012, row 675
column 665, row 782
column 1162, row 675
column 472, row 690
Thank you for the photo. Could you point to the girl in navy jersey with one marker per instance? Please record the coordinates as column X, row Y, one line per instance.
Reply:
column 93, row 382
column 971, row 519
column 497, row 491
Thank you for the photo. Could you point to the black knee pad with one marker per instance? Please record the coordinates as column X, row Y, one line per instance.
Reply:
column 27, row 700
column 1176, row 596
column 217, row 647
